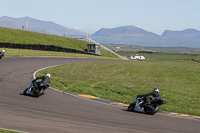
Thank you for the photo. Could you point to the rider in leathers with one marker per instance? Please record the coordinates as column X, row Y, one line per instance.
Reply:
column 2, row 53
column 155, row 94
column 45, row 80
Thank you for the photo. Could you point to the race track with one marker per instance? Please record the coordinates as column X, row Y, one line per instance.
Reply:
column 57, row 112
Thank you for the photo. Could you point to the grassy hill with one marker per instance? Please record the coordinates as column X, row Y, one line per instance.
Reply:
column 26, row 37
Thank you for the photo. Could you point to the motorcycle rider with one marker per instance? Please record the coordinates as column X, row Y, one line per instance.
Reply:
column 45, row 79
column 2, row 53
column 155, row 94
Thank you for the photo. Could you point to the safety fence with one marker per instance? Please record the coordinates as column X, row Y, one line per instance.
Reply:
column 41, row 47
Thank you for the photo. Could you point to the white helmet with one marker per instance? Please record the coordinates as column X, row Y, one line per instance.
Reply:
column 3, row 51
column 156, row 89
column 48, row 75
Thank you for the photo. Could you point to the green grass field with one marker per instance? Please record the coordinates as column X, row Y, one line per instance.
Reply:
column 122, row 81
column 131, row 48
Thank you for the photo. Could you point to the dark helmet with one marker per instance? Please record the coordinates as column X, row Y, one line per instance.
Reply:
column 156, row 89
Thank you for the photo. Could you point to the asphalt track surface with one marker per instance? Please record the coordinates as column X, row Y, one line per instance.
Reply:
column 57, row 112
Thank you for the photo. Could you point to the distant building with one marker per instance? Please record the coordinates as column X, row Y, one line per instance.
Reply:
column 118, row 48
column 136, row 57
column 94, row 49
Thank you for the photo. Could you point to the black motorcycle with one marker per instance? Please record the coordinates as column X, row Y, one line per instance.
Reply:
column 32, row 91
column 2, row 54
column 141, row 106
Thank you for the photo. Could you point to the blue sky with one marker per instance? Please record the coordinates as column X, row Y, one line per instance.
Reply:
column 92, row 15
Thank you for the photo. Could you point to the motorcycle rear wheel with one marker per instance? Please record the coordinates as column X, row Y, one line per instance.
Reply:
column 131, row 107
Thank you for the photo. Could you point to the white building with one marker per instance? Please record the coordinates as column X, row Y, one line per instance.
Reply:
column 136, row 57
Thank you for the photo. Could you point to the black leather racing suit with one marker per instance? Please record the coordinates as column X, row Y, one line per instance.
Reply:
column 44, row 79
column 154, row 94
column 1, row 54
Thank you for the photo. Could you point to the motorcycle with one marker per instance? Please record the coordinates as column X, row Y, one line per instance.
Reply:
column 141, row 106
column 32, row 91
column 2, row 54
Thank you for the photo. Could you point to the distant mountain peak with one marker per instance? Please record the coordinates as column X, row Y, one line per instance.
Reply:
column 187, row 33
column 36, row 25
column 130, row 29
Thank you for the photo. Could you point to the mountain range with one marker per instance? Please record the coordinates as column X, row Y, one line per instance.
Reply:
column 131, row 35
column 35, row 25
column 128, row 35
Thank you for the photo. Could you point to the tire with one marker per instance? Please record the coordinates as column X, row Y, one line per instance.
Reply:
column 131, row 107
column 24, row 93
column 152, row 110
column 39, row 93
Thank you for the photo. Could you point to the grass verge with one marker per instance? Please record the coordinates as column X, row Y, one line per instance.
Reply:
column 122, row 81
column 7, row 131
column 22, row 52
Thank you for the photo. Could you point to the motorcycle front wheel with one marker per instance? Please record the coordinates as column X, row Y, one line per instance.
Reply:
column 151, row 110
column 41, row 92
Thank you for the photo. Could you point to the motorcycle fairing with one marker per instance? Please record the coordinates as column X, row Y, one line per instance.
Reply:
column 29, row 90
column 137, row 105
